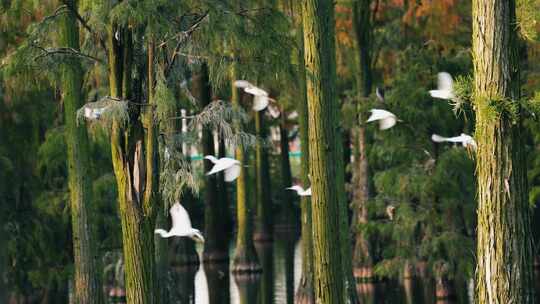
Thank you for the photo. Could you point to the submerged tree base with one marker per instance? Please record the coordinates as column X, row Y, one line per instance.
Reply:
column 263, row 237
column 246, row 262
column 216, row 257
column 184, row 254
column 304, row 293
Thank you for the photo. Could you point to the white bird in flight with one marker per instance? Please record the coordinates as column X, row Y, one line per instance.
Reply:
column 181, row 225
column 230, row 166
column 300, row 191
column 445, row 87
column 386, row 119
column 466, row 140
column 260, row 99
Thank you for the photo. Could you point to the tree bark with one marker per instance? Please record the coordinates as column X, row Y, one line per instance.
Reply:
column 245, row 257
column 263, row 219
column 325, row 157
column 135, row 164
column 305, row 292
column 504, row 247
column 87, row 281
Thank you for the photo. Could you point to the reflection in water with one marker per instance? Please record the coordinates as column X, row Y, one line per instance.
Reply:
column 266, row 283
column 247, row 287
column 182, row 285
column 217, row 277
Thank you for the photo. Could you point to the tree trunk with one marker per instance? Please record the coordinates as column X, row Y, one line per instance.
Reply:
column 325, row 156
column 245, row 257
column 87, row 276
column 215, row 226
column 362, row 259
column 504, row 247
column 263, row 220
column 265, row 252
column 135, row 163
column 162, row 259
column 217, row 277
column 305, row 292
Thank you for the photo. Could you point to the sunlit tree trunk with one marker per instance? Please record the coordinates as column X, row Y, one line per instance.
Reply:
column 305, row 292
column 87, row 281
column 135, row 163
column 362, row 259
column 245, row 257
column 330, row 228
column 504, row 247
column 263, row 219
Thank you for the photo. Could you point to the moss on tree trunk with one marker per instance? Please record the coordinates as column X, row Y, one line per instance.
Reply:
column 504, row 247
column 135, row 163
column 305, row 292
column 87, row 281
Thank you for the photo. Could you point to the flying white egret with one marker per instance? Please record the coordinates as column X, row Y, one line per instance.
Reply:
column 260, row 99
column 386, row 119
column 300, row 191
column 181, row 225
column 466, row 140
column 230, row 165
column 445, row 87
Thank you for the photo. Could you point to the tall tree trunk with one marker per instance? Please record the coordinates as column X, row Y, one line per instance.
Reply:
column 362, row 259
column 305, row 292
column 87, row 276
column 215, row 226
column 245, row 257
column 331, row 255
column 162, row 259
column 263, row 219
column 287, row 208
column 135, row 163
column 504, row 247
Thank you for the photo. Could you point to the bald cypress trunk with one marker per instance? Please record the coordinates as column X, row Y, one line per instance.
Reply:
column 330, row 228
column 215, row 211
column 134, row 157
column 504, row 247
column 263, row 220
column 87, row 277
column 362, row 259
column 245, row 257
column 305, row 292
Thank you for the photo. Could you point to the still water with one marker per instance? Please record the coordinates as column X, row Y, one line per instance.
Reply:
column 281, row 262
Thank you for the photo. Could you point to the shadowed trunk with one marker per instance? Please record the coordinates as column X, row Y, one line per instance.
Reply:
column 263, row 219
column 217, row 276
column 504, row 247
column 245, row 257
column 362, row 259
column 265, row 251
column 87, row 281
column 215, row 210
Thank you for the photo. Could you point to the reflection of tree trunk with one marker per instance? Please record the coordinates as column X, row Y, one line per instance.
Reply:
column 289, row 268
column 445, row 290
column 247, row 288
column 86, row 277
column 263, row 219
column 503, row 237
column 215, row 212
column 245, row 257
column 367, row 293
column 162, row 259
column 304, row 294
column 217, row 276
column 363, row 253
column 182, row 285
column 266, row 287
column 287, row 215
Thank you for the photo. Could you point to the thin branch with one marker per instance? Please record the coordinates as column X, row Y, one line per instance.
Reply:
column 63, row 51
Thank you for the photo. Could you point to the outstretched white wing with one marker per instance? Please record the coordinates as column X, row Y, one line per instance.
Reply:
column 260, row 102
column 445, row 82
column 387, row 123
column 386, row 119
column 307, row 192
column 222, row 164
column 253, row 90
column 232, row 173
column 181, row 223
column 465, row 139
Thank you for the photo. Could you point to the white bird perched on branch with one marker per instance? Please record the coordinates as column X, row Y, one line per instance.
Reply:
column 230, row 166
column 445, row 87
column 300, row 191
column 260, row 100
column 93, row 113
column 466, row 140
column 181, row 225
column 386, row 119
